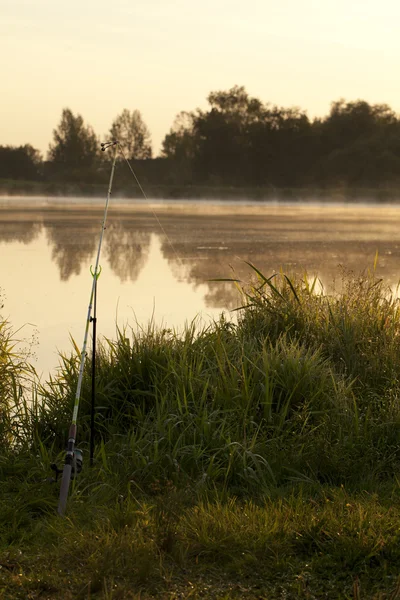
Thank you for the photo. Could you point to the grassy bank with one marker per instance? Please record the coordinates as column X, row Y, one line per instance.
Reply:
column 257, row 459
column 12, row 188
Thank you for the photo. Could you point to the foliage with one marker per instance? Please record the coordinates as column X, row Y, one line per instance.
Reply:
column 239, row 141
column 22, row 162
column 304, row 542
column 16, row 378
column 304, row 385
column 243, row 460
column 75, row 147
column 179, row 147
column 132, row 133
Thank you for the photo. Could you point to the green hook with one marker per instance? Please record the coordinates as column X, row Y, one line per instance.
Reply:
column 97, row 275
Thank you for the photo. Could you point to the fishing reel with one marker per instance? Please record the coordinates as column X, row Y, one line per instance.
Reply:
column 105, row 145
column 77, row 463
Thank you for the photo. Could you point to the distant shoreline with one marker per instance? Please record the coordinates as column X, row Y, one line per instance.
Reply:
column 10, row 189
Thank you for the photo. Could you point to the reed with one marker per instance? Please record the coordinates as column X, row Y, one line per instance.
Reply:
column 264, row 450
column 16, row 378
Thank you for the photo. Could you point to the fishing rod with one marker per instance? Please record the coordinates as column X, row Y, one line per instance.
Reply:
column 93, row 320
column 73, row 456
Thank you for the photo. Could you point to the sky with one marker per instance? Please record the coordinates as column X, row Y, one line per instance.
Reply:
column 160, row 57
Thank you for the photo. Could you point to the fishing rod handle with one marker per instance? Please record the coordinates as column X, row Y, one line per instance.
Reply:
column 67, row 471
column 65, row 481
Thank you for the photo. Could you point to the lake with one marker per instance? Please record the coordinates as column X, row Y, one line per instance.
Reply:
column 158, row 259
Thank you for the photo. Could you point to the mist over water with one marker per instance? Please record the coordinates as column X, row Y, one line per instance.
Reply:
column 164, row 273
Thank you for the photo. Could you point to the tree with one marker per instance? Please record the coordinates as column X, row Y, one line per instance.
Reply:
column 132, row 133
column 223, row 148
column 240, row 141
column 75, row 145
column 179, row 142
column 236, row 105
column 179, row 147
column 350, row 121
column 214, row 145
column 22, row 162
column 359, row 144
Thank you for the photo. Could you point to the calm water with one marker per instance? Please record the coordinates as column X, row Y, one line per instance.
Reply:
column 164, row 272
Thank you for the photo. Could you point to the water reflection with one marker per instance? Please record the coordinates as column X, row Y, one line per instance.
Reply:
column 46, row 252
column 127, row 249
column 72, row 241
column 17, row 227
column 205, row 242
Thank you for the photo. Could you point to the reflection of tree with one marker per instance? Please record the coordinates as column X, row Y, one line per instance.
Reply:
column 209, row 242
column 127, row 249
column 73, row 241
column 199, row 267
column 209, row 245
column 19, row 228
column 207, row 263
column 74, row 234
column 222, row 295
column 206, row 251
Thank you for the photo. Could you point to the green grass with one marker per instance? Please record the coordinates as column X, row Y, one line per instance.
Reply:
column 255, row 459
column 310, row 543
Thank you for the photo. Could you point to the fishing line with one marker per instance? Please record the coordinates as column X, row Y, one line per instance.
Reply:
column 73, row 456
column 151, row 208
column 93, row 320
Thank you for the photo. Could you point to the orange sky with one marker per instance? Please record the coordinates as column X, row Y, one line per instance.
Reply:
column 164, row 56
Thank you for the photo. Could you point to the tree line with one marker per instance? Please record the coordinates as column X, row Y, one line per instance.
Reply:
column 237, row 141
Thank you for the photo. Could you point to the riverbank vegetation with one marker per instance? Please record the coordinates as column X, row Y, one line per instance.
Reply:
column 249, row 459
column 238, row 143
column 11, row 188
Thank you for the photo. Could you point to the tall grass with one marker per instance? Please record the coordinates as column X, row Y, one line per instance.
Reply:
column 16, row 378
column 304, row 386
column 207, row 441
column 357, row 328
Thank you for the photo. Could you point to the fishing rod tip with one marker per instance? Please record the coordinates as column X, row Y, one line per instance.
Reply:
column 105, row 145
